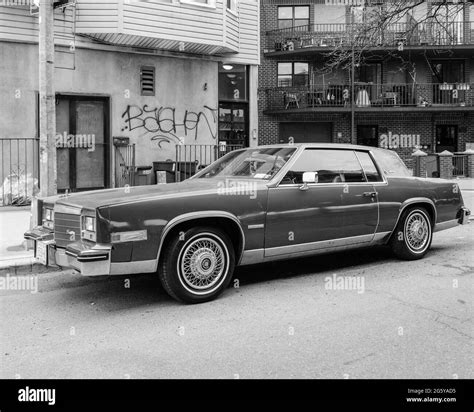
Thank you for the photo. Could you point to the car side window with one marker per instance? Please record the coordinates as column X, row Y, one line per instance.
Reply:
column 369, row 167
column 331, row 165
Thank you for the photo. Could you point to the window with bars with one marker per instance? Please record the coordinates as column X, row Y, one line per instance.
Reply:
column 147, row 81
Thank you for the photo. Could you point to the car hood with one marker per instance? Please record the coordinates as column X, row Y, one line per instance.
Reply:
column 107, row 197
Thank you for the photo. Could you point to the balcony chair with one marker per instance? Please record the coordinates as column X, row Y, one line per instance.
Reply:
column 291, row 98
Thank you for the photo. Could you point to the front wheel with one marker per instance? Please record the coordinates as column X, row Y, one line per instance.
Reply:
column 413, row 234
column 197, row 265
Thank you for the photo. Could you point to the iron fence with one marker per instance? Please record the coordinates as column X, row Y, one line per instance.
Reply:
column 124, row 165
column 428, row 33
column 370, row 95
column 192, row 158
column 460, row 165
column 19, row 170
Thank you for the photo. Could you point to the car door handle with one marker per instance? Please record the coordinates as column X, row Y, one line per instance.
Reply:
column 370, row 194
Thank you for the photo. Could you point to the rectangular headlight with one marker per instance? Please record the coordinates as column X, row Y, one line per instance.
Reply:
column 88, row 223
column 48, row 218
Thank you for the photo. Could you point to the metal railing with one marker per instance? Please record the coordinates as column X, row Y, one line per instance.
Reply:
column 190, row 158
column 460, row 165
column 124, row 165
column 19, row 170
column 427, row 33
column 370, row 95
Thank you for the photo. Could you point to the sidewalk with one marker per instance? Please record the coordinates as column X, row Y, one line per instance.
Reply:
column 14, row 221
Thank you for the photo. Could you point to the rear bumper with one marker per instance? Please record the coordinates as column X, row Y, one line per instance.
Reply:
column 88, row 259
column 462, row 218
column 463, row 215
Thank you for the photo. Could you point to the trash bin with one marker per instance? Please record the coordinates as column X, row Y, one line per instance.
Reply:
column 143, row 175
column 164, row 171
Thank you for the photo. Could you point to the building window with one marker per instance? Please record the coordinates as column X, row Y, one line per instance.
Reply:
column 448, row 77
column 368, row 135
column 147, row 81
column 232, row 82
column 448, row 71
column 233, row 107
column 232, row 5
column 203, row 3
column 293, row 74
column 293, row 16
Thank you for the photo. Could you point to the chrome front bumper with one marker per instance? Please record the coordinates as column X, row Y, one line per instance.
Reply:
column 88, row 259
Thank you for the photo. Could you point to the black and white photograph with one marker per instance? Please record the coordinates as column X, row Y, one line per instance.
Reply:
column 236, row 199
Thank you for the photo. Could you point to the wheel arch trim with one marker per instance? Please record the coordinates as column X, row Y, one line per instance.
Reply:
column 186, row 217
column 415, row 201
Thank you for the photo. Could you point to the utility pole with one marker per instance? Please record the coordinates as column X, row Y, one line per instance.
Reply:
column 353, row 136
column 47, row 100
column 353, row 98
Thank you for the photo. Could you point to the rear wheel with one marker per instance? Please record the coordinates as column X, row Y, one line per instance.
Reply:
column 413, row 234
column 197, row 264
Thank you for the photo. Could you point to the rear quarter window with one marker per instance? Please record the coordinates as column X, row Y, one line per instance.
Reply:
column 390, row 163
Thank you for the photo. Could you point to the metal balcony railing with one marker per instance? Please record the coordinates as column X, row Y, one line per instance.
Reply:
column 429, row 33
column 369, row 95
column 19, row 170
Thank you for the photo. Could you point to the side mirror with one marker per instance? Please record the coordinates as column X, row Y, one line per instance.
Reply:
column 309, row 177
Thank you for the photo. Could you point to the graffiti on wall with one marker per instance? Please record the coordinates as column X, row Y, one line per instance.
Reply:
column 164, row 125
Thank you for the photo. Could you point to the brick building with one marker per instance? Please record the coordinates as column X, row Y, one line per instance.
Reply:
column 414, row 90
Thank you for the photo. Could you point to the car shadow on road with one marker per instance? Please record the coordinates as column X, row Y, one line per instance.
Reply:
column 292, row 268
column 115, row 293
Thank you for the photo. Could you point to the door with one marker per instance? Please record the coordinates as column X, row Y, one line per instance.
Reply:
column 368, row 135
column 369, row 75
column 306, row 132
column 448, row 75
column 338, row 210
column 82, row 143
column 233, row 125
column 446, row 138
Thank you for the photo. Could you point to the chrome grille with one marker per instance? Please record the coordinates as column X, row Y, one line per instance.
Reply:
column 64, row 225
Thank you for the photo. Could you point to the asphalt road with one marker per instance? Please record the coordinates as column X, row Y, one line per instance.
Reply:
column 406, row 320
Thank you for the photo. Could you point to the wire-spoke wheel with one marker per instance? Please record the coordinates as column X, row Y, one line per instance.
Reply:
column 202, row 262
column 417, row 231
column 197, row 265
column 413, row 235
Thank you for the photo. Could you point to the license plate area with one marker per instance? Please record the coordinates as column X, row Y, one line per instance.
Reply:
column 41, row 253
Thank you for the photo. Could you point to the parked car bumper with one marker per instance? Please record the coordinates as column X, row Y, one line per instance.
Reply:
column 87, row 258
column 464, row 213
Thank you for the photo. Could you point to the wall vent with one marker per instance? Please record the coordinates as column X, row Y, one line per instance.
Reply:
column 147, row 81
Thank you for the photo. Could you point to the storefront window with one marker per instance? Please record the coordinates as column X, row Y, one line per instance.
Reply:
column 233, row 124
column 233, row 107
column 232, row 82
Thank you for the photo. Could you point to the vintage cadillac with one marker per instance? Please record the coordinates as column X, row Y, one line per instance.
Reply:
column 252, row 205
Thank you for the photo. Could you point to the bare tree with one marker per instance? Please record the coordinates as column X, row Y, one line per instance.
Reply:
column 386, row 29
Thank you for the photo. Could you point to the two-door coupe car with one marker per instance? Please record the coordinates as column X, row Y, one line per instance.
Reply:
column 252, row 205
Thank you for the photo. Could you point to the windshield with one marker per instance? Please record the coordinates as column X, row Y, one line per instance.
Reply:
column 259, row 163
